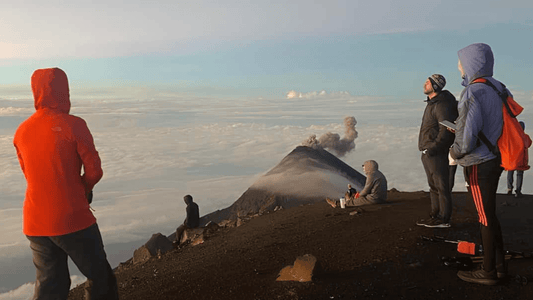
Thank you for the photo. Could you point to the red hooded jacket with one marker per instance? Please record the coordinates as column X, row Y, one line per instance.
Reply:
column 52, row 146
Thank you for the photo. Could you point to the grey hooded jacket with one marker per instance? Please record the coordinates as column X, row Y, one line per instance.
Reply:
column 375, row 190
column 480, row 108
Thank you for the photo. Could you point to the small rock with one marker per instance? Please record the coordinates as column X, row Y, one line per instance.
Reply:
column 301, row 271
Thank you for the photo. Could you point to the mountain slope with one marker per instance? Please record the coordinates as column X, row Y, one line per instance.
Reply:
column 377, row 254
column 306, row 175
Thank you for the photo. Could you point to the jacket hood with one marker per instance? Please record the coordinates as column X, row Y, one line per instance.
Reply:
column 477, row 61
column 50, row 89
column 187, row 199
column 371, row 166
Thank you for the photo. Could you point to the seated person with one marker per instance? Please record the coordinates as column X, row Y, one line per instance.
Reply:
column 375, row 190
column 191, row 221
column 351, row 192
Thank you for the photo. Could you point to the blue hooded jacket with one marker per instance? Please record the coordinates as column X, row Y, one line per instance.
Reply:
column 480, row 107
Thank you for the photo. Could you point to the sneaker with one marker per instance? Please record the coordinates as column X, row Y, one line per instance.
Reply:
column 423, row 222
column 333, row 203
column 518, row 194
column 437, row 223
column 501, row 270
column 479, row 276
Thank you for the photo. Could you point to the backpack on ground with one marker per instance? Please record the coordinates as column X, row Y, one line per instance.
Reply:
column 513, row 143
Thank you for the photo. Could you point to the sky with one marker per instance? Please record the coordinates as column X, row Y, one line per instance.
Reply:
column 189, row 97
column 262, row 48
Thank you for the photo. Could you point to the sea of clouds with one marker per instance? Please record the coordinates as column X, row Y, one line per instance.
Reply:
column 157, row 146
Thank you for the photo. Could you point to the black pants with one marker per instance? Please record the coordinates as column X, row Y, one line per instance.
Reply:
column 483, row 184
column 453, row 169
column 86, row 249
column 437, row 172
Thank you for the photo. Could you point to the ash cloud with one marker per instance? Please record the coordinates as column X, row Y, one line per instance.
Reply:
column 333, row 141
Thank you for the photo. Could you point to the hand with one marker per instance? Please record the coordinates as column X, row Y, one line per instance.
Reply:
column 89, row 197
column 450, row 130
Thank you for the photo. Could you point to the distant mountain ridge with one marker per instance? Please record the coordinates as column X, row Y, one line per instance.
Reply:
column 306, row 175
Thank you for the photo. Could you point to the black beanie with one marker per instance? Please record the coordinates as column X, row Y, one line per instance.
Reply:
column 437, row 82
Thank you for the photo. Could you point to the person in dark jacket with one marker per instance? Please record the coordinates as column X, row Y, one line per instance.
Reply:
column 480, row 110
column 192, row 220
column 351, row 191
column 434, row 141
column 519, row 176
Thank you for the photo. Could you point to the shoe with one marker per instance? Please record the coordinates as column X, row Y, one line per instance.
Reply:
column 423, row 222
column 437, row 223
column 479, row 276
column 333, row 203
column 518, row 194
column 501, row 271
column 509, row 192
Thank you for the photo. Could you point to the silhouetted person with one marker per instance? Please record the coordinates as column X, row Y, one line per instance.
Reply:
column 351, row 191
column 192, row 220
column 52, row 147
column 519, row 177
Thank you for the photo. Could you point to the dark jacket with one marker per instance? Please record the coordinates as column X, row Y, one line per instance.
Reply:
column 193, row 215
column 433, row 136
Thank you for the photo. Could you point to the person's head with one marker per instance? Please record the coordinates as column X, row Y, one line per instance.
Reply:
column 460, row 67
column 50, row 89
column 370, row 166
column 187, row 199
column 349, row 186
column 434, row 84
column 475, row 61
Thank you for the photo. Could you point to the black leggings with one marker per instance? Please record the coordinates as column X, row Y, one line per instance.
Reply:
column 483, row 184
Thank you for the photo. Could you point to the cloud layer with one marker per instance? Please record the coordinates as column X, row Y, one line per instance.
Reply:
column 157, row 150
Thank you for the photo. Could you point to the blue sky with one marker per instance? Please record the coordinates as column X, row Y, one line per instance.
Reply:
column 263, row 48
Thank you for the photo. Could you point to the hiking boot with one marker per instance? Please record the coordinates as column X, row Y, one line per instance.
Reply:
column 437, row 223
column 518, row 194
column 333, row 203
column 479, row 276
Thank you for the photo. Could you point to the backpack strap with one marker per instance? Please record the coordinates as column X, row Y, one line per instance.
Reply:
column 503, row 97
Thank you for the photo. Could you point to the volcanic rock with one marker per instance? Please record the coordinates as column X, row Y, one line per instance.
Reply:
column 306, row 175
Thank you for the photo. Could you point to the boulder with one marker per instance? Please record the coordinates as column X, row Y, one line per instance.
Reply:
column 157, row 244
column 192, row 234
column 301, row 271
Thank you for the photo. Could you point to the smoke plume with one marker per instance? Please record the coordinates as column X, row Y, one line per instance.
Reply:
column 333, row 141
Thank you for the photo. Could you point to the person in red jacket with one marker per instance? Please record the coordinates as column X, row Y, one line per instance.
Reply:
column 52, row 146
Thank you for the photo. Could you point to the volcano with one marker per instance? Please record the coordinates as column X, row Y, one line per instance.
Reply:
column 306, row 175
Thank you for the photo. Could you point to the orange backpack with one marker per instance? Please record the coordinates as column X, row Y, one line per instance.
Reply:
column 513, row 143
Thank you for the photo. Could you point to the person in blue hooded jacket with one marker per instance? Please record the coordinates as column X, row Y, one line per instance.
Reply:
column 480, row 110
